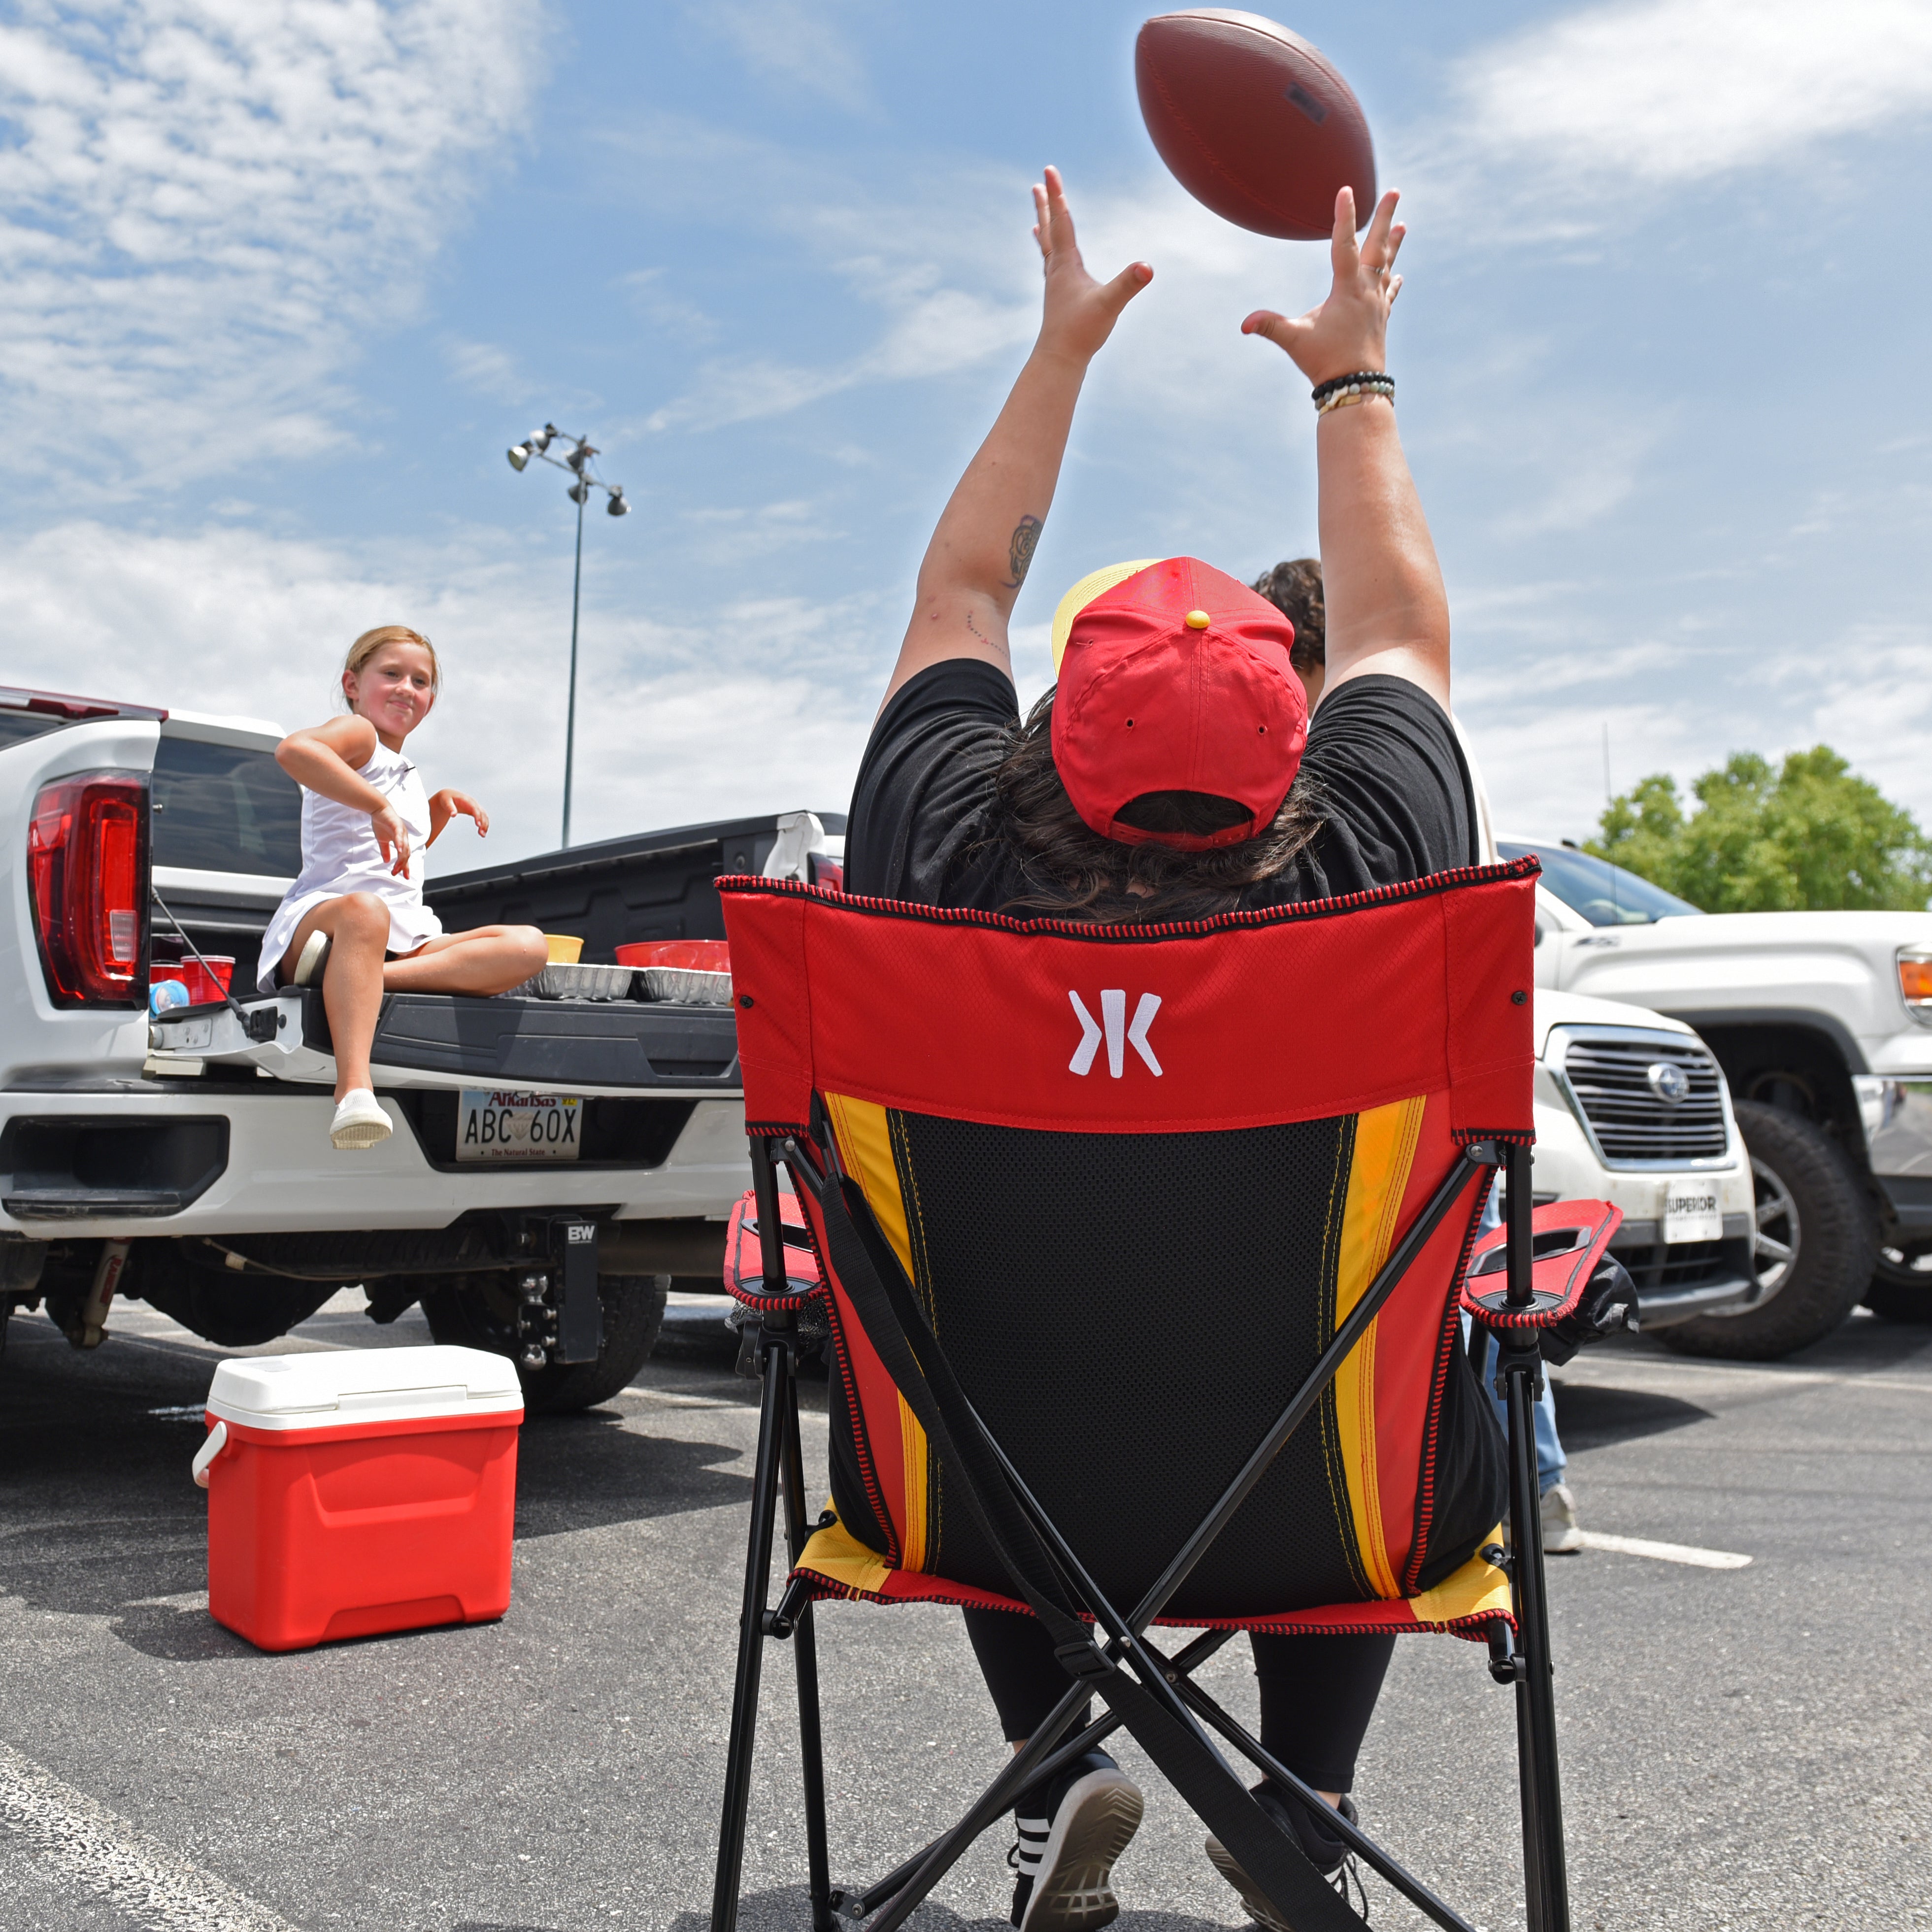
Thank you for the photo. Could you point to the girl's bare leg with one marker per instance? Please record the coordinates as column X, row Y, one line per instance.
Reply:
column 357, row 925
column 489, row 959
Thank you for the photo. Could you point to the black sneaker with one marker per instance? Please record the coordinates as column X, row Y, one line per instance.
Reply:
column 1070, row 1834
column 1324, row 1849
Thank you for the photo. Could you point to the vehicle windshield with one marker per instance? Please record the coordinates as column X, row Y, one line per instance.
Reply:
column 1605, row 895
column 224, row 808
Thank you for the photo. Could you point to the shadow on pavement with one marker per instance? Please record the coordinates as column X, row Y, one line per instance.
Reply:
column 787, row 1909
column 1592, row 1417
column 585, row 1471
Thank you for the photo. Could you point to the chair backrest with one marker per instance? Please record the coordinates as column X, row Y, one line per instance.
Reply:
column 1137, row 1177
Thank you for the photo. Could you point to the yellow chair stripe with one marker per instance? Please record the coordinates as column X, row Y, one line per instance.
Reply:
column 1385, row 1140
column 865, row 1147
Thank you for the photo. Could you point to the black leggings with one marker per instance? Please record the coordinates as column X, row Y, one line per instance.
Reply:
column 1318, row 1693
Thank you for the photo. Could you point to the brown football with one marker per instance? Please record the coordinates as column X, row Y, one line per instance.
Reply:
column 1253, row 121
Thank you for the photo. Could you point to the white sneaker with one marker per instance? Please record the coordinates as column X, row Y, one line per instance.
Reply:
column 359, row 1122
column 1561, row 1536
column 314, row 957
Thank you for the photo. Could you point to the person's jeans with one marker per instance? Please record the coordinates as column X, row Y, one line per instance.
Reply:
column 1551, row 1463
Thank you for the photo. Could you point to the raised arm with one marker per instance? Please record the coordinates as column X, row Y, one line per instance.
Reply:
column 980, row 552
column 326, row 758
column 1387, row 611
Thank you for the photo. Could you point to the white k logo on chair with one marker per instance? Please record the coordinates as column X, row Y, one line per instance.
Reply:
column 1120, row 1036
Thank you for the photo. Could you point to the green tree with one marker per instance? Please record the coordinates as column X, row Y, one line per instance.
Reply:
column 1807, row 837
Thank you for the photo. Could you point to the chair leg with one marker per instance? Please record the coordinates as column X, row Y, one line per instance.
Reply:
column 1545, row 1878
column 805, row 1661
column 751, row 1639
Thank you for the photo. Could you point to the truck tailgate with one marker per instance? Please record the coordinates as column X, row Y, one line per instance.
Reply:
column 445, row 1039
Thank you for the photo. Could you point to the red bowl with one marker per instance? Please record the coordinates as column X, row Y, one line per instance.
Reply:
column 692, row 956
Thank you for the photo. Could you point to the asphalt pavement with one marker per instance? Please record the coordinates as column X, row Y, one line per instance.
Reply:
column 1744, row 1746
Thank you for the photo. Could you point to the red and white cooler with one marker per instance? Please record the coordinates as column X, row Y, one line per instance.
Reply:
column 354, row 1491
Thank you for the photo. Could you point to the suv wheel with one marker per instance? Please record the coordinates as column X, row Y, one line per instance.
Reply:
column 1816, row 1243
column 479, row 1311
column 1901, row 1285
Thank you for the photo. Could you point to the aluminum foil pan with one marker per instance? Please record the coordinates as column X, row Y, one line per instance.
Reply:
column 578, row 982
column 682, row 987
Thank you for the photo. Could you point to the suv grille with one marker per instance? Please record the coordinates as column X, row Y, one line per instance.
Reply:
column 1631, row 1117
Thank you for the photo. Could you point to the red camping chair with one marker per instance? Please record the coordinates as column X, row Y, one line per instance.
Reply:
column 1142, row 1251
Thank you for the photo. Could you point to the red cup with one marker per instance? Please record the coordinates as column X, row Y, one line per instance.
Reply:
column 693, row 955
column 207, row 982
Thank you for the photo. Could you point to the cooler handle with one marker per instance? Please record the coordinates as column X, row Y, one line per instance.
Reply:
column 218, row 1441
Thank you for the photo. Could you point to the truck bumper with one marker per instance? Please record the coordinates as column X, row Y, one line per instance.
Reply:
column 222, row 1158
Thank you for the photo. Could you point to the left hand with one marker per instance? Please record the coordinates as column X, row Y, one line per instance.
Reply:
column 1080, row 313
column 1349, row 332
column 447, row 805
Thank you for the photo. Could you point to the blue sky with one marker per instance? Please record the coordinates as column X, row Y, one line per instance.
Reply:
column 279, row 280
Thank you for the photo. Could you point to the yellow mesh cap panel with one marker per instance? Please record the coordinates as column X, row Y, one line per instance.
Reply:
column 1083, row 593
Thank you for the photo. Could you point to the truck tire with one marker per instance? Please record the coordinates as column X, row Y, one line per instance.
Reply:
column 1901, row 1287
column 232, row 1308
column 1817, row 1238
column 479, row 1311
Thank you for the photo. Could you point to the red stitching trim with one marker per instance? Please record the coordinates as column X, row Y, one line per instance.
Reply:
column 1452, row 1335
column 855, row 1411
column 1471, row 1628
column 745, row 884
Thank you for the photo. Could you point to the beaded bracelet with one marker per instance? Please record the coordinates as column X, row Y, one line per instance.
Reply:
column 1358, row 391
column 1337, row 383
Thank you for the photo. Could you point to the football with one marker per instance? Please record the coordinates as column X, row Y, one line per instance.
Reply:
column 1253, row 121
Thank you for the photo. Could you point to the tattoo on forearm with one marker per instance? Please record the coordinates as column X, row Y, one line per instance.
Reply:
column 1019, row 552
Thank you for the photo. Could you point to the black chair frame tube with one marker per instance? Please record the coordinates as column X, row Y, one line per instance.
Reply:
column 778, row 1472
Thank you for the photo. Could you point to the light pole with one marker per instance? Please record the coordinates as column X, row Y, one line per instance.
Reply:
column 583, row 479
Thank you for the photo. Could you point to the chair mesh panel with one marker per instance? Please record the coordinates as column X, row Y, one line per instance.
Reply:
column 1129, row 1393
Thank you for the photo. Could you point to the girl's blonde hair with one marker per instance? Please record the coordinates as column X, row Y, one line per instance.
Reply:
column 366, row 646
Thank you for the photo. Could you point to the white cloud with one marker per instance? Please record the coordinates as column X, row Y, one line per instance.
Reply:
column 1553, row 129
column 207, row 201
column 751, row 709
column 792, row 42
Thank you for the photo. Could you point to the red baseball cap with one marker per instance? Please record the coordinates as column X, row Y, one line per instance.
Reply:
column 1175, row 678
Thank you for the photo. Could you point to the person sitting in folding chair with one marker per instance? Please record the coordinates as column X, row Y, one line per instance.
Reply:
column 1172, row 773
column 1067, row 1300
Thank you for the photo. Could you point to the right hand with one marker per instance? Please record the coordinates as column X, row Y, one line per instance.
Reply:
column 1080, row 313
column 392, row 835
column 1349, row 332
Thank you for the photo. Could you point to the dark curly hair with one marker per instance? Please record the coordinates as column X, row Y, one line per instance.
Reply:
column 1072, row 872
column 1294, row 589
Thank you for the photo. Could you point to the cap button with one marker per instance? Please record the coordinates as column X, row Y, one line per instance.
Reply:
column 1196, row 620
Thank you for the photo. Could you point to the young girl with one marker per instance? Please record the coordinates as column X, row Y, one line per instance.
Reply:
column 356, row 916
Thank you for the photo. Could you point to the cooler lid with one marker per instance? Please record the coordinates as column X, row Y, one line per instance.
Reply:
column 328, row 1387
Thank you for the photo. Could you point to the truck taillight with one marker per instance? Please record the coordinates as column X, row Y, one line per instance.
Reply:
column 88, row 872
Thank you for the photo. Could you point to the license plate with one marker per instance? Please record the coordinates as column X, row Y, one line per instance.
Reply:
column 1691, row 1214
column 503, row 1127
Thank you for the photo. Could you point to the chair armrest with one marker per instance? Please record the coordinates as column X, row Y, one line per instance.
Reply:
column 1568, row 1239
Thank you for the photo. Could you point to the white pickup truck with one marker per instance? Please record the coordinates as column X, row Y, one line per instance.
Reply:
column 1821, row 1022
column 184, row 1158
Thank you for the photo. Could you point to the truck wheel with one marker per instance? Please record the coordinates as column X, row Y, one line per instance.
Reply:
column 1816, row 1243
column 479, row 1311
column 1901, row 1286
column 232, row 1308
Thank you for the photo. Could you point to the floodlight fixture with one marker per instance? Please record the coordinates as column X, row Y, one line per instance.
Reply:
column 585, row 479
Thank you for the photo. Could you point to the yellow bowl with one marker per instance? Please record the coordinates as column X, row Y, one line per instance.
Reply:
column 564, row 949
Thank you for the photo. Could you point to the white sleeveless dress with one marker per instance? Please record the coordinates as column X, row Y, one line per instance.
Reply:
column 340, row 856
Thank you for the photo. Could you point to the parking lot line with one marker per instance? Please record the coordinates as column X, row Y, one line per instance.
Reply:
column 99, row 1852
column 1664, row 1552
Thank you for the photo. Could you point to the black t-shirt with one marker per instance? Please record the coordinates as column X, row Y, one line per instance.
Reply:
column 1395, row 794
